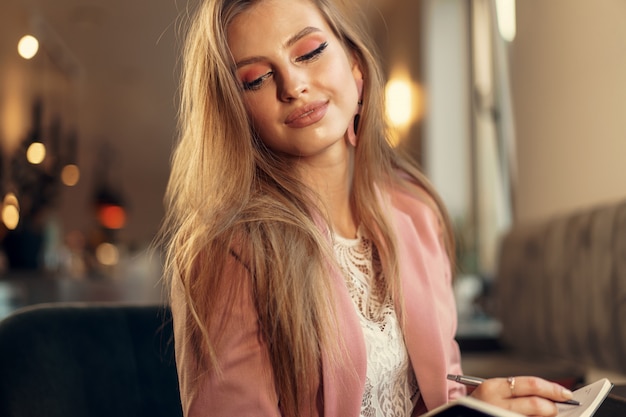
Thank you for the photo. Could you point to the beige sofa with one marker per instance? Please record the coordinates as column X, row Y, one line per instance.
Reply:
column 560, row 296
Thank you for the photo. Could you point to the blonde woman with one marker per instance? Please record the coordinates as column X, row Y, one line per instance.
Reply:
column 310, row 263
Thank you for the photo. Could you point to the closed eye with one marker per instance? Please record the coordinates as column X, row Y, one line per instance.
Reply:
column 314, row 54
column 256, row 83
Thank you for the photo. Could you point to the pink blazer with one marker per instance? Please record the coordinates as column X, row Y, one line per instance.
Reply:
column 245, row 386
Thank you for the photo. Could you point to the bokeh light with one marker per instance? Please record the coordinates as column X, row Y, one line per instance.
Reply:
column 36, row 153
column 107, row 254
column 28, row 46
column 70, row 175
column 112, row 216
column 10, row 216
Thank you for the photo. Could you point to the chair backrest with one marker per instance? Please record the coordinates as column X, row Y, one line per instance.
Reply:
column 561, row 287
column 86, row 360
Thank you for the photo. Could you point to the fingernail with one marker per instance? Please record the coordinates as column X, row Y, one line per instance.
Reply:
column 567, row 393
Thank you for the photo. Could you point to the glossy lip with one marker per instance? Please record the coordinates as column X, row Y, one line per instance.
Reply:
column 307, row 115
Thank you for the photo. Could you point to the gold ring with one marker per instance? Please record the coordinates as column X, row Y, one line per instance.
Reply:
column 511, row 381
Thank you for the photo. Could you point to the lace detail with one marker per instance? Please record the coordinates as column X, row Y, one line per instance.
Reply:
column 390, row 388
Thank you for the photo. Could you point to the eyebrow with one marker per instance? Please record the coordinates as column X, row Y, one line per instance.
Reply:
column 289, row 43
column 304, row 32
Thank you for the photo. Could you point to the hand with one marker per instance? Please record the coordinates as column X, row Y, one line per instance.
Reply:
column 527, row 395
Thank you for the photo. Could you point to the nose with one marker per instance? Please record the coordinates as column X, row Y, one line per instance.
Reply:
column 292, row 83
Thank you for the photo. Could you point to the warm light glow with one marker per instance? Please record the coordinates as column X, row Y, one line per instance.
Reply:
column 28, row 46
column 107, row 254
column 10, row 211
column 505, row 10
column 403, row 101
column 70, row 174
column 36, row 153
column 11, row 199
column 10, row 216
column 399, row 101
column 112, row 216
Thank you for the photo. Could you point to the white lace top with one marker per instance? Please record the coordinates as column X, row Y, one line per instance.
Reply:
column 390, row 388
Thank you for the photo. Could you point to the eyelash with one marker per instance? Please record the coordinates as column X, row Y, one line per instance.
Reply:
column 313, row 55
column 308, row 57
column 256, row 84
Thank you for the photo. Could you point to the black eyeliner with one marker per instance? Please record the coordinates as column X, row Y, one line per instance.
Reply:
column 314, row 53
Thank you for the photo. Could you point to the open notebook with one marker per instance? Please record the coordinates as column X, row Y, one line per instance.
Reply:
column 590, row 397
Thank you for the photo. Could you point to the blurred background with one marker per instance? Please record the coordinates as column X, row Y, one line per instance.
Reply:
column 98, row 96
column 515, row 109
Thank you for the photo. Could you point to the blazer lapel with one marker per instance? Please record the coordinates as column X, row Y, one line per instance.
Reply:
column 420, row 266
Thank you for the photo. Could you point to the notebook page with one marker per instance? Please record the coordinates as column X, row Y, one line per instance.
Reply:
column 590, row 398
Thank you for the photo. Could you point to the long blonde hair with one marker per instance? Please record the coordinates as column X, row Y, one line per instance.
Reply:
column 227, row 192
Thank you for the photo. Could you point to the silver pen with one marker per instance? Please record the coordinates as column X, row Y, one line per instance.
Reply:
column 474, row 381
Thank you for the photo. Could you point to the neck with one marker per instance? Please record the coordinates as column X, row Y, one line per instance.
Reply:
column 331, row 179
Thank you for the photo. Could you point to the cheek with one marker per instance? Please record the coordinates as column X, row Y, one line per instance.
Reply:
column 261, row 113
column 340, row 72
column 257, row 106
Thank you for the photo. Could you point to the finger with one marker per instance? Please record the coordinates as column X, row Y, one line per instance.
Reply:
column 531, row 406
column 524, row 386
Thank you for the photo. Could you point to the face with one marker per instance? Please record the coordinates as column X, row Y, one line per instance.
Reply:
column 299, row 82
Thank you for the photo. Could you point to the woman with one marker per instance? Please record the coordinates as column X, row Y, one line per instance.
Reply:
column 310, row 263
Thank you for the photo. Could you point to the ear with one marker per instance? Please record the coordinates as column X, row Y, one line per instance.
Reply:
column 357, row 72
